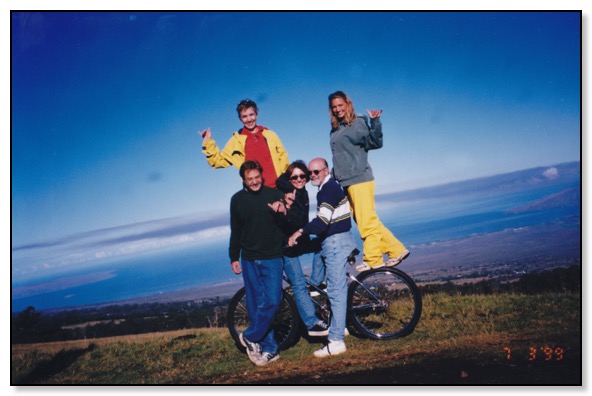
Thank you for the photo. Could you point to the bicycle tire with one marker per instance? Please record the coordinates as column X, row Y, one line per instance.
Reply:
column 387, row 306
column 286, row 324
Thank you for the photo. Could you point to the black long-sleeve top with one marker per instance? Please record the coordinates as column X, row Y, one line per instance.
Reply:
column 296, row 218
column 254, row 230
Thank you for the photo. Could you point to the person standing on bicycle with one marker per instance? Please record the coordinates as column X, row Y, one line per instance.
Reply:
column 351, row 139
column 332, row 225
column 293, row 184
column 252, row 142
column 257, row 240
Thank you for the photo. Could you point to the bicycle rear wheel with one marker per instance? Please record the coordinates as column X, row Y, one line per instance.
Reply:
column 384, row 304
column 286, row 323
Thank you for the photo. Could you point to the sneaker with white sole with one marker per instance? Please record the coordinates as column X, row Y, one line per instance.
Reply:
column 397, row 260
column 332, row 348
column 266, row 358
column 320, row 329
column 253, row 348
column 365, row 267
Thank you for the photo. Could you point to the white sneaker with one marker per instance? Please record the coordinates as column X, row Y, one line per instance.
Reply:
column 266, row 358
column 253, row 348
column 397, row 260
column 365, row 267
column 332, row 348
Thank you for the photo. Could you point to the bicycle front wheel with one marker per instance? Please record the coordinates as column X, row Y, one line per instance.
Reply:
column 285, row 325
column 384, row 304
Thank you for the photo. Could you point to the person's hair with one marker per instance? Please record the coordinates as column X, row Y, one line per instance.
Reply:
column 350, row 114
column 249, row 165
column 300, row 165
column 245, row 104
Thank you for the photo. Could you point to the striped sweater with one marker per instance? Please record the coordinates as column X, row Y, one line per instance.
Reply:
column 333, row 213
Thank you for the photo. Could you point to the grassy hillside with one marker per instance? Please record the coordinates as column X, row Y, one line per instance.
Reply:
column 476, row 339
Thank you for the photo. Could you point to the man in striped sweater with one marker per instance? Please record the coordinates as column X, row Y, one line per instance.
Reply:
column 333, row 225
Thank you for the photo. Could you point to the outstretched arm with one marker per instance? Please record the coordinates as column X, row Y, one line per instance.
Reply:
column 220, row 158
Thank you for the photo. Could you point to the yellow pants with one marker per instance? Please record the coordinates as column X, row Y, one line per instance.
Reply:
column 378, row 240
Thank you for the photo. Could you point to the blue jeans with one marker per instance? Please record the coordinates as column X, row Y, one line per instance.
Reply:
column 317, row 274
column 306, row 308
column 336, row 248
column 263, row 286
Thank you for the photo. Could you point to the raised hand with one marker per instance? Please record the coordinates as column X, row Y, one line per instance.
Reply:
column 289, row 198
column 207, row 134
column 374, row 113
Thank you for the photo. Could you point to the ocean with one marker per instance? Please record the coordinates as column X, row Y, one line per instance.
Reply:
column 414, row 223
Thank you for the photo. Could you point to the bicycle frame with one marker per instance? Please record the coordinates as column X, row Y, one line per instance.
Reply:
column 351, row 260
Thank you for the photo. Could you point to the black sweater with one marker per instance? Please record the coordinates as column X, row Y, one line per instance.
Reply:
column 254, row 230
column 296, row 218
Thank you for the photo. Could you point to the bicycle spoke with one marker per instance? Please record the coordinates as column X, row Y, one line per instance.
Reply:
column 286, row 323
column 384, row 304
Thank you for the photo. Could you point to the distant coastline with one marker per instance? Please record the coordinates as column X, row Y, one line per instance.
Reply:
column 512, row 250
column 528, row 218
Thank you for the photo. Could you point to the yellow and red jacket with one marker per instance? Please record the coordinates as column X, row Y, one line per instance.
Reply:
column 234, row 151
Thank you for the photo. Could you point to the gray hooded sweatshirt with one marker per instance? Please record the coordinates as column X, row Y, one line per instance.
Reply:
column 350, row 145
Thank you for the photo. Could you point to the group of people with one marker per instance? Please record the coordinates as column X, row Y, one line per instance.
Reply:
column 270, row 228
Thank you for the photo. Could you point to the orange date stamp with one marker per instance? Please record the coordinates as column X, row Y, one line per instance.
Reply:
column 544, row 353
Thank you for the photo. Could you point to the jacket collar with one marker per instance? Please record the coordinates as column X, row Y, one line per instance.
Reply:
column 325, row 180
column 243, row 131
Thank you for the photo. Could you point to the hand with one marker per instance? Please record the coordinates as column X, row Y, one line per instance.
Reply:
column 289, row 198
column 278, row 207
column 374, row 113
column 207, row 134
column 236, row 267
column 292, row 240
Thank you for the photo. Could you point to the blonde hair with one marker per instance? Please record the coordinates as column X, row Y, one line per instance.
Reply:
column 350, row 114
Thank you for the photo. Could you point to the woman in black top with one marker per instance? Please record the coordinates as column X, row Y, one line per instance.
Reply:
column 293, row 184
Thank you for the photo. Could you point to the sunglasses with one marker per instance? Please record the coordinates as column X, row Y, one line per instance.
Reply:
column 301, row 176
column 316, row 171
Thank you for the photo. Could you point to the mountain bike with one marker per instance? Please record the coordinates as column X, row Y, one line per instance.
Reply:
column 382, row 304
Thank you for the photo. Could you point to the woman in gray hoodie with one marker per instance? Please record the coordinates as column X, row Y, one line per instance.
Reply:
column 351, row 139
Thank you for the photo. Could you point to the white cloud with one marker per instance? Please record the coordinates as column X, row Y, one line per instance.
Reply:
column 551, row 173
column 95, row 248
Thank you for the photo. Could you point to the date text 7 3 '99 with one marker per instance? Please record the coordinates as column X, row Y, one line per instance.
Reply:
column 548, row 353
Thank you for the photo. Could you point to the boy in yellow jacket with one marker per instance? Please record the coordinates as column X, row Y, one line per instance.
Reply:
column 251, row 143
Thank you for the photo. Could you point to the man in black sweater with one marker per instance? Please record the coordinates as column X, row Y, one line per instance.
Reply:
column 257, row 240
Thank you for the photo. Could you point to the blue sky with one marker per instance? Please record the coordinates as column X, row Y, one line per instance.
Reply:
column 106, row 109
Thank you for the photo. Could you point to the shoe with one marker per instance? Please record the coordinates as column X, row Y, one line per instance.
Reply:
column 320, row 329
column 253, row 348
column 266, row 358
column 332, row 348
column 397, row 260
column 314, row 292
column 365, row 267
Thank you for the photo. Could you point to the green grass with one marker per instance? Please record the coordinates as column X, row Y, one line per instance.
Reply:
column 460, row 339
